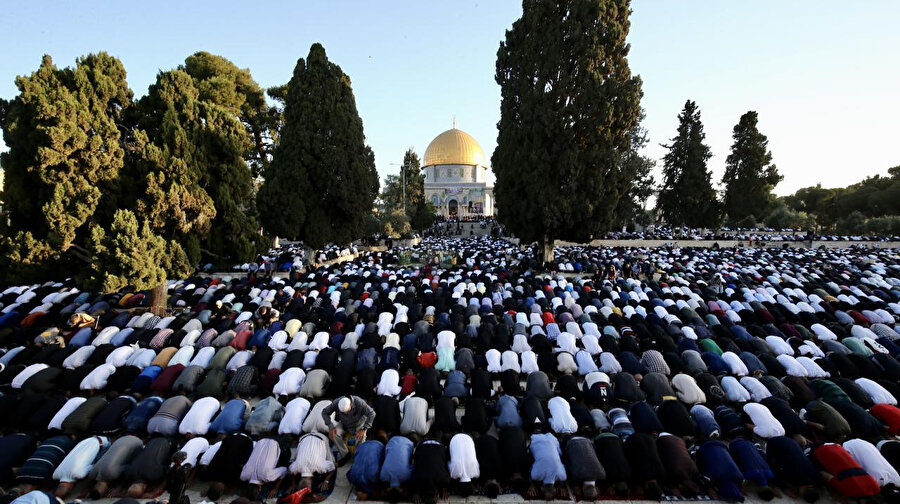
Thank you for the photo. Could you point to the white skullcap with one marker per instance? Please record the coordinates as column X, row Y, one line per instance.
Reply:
column 344, row 405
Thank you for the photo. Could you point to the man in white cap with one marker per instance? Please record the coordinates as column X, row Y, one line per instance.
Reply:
column 352, row 414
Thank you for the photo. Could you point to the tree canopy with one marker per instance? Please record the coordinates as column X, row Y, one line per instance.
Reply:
column 750, row 175
column 322, row 182
column 568, row 103
column 686, row 196
column 127, row 193
column 418, row 209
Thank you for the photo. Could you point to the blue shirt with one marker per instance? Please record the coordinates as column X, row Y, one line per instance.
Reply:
column 548, row 466
column 231, row 418
column 136, row 421
column 397, row 468
column 366, row 465
column 508, row 416
column 750, row 460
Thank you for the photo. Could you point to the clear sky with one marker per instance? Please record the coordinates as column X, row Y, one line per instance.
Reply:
column 823, row 74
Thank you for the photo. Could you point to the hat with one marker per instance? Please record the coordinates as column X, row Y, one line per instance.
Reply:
column 344, row 405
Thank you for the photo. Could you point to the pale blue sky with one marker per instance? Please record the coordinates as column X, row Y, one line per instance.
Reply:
column 823, row 75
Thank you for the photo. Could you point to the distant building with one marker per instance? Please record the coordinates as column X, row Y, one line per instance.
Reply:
column 456, row 176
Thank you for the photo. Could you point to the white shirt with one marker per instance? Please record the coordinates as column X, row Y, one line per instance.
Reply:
column 791, row 365
column 203, row 357
column 463, row 463
column 198, row 418
column 566, row 343
column 239, row 359
column 208, row 455
column 97, row 379
column 561, row 419
column 67, row 408
column 879, row 394
column 119, row 356
column 278, row 341
column 687, row 390
column 609, row 364
column 313, row 456
column 813, row 370
column 27, row 373
column 290, row 381
column 734, row 390
column 415, row 416
column 294, row 416
column 529, row 362
column 872, row 461
column 779, row 346
column 765, row 425
column 78, row 357
column 737, row 366
column 757, row 390
column 510, row 362
column 493, row 360
column 389, row 385
column 193, row 449
column 141, row 358
column 182, row 356
column 79, row 462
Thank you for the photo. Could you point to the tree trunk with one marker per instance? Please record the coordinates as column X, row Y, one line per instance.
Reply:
column 547, row 249
column 159, row 298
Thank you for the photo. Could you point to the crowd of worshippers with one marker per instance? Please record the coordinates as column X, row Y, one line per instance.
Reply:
column 484, row 378
column 746, row 235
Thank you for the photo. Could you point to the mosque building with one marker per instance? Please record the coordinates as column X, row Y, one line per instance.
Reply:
column 456, row 176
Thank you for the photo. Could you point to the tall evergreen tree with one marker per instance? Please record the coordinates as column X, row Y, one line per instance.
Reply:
column 242, row 131
column 568, row 102
column 65, row 153
column 420, row 211
column 750, row 175
column 322, row 182
column 686, row 197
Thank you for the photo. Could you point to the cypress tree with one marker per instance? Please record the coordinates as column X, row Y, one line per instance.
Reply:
column 568, row 102
column 321, row 183
column 687, row 197
column 65, row 153
column 750, row 175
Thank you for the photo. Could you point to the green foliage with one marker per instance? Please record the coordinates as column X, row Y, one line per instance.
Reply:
column 750, row 175
column 631, row 207
column 322, row 182
column 128, row 188
column 876, row 196
column 65, row 147
column 132, row 255
column 222, row 83
column 568, row 104
column 421, row 212
column 687, row 196
column 852, row 223
column 783, row 217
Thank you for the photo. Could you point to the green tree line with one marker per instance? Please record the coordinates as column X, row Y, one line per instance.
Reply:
column 125, row 192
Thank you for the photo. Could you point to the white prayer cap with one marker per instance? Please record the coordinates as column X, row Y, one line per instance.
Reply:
column 344, row 405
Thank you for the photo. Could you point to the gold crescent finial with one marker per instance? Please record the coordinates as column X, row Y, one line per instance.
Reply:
column 454, row 121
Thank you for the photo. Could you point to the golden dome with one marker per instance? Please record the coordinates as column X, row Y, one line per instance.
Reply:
column 454, row 147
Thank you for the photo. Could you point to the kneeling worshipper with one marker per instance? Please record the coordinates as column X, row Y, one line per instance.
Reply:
column 313, row 459
column 148, row 470
column 78, row 463
column 842, row 473
column 583, row 468
column 39, row 467
column 463, row 463
column 397, row 468
column 793, row 470
column 682, row 475
column 267, row 463
column 227, row 463
column 716, row 464
column 113, row 462
column 430, row 475
column 364, row 473
column 547, row 468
